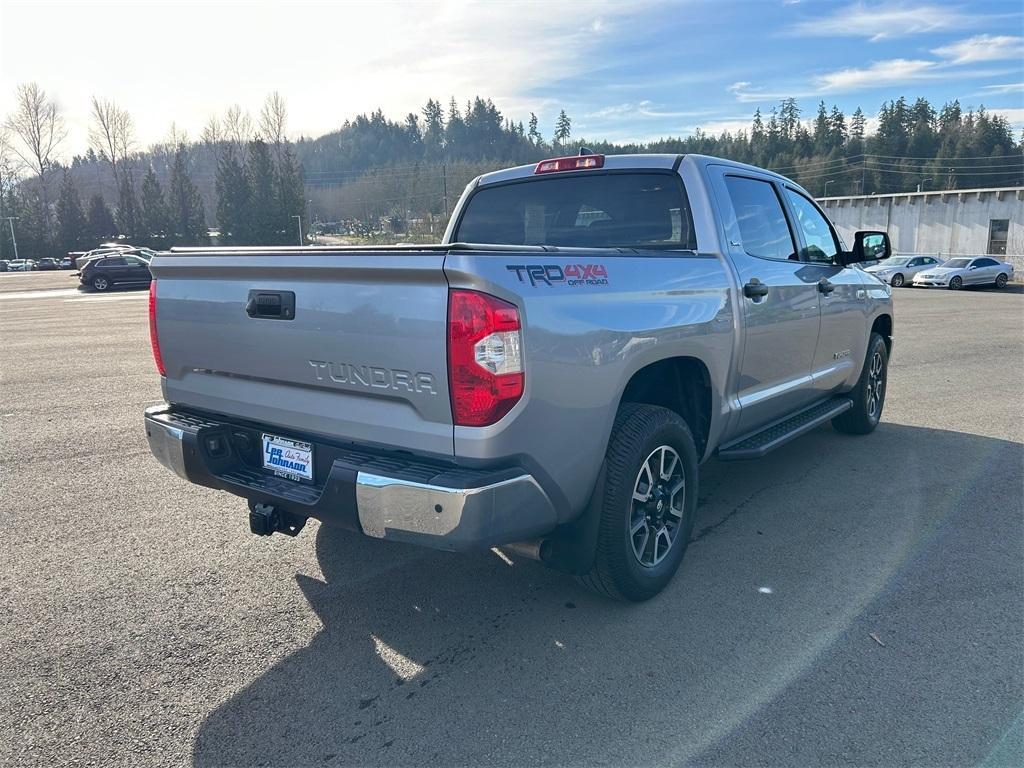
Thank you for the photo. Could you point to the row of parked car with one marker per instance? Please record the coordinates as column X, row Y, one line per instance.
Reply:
column 933, row 272
column 33, row 265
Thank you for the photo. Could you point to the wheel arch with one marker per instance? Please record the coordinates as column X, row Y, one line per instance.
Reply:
column 681, row 384
column 882, row 325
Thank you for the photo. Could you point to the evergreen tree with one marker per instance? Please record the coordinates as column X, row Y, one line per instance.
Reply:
column 534, row 135
column 187, row 221
column 265, row 216
column 153, row 214
column 100, row 225
column 234, row 199
column 128, row 217
column 563, row 128
column 291, row 195
column 71, row 223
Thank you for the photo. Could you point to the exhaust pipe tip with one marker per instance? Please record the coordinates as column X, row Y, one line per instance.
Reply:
column 538, row 549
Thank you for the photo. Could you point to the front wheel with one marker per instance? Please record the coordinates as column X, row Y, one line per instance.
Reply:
column 1002, row 280
column 897, row 281
column 956, row 283
column 869, row 394
column 648, row 503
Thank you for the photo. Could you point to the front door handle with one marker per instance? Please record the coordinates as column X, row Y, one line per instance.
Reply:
column 825, row 286
column 755, row 289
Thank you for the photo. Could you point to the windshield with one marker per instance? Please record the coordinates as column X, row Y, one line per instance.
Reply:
column 591, row 210
column 957, row 263
column 894, row 261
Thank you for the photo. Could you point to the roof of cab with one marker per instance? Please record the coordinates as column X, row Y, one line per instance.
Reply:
column 624, row 162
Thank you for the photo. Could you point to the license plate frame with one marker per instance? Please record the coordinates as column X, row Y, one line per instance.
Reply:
column 288, row 458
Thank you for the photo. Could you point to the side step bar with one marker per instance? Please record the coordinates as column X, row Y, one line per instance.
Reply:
column 757, row 444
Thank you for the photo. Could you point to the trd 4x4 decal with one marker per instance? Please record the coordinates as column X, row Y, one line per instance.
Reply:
column 550, row 274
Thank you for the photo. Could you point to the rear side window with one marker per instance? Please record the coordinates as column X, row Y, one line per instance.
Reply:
column 590, row 210
column 760, row 219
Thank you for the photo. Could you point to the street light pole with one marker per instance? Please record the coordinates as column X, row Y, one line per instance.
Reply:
column 826, row 187
column 921, row 185
column 14, row 242
column 299, row 220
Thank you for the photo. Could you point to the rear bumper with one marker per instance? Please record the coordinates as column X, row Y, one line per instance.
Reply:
column 383, row 495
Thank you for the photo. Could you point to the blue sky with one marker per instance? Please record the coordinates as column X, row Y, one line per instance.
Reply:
column 623, row 71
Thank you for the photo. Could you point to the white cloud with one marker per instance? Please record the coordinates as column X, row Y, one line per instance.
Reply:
column 1004, row 88
column 879, row 21
column 982, row 48
column 645, row 108
column 878, row 74
column 393, row 56
column 1015, row 117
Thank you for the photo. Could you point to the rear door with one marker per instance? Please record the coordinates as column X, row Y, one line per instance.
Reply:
column 779, row 296
column 350, row 345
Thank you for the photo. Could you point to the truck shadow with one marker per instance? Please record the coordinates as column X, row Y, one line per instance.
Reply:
column 434, row 659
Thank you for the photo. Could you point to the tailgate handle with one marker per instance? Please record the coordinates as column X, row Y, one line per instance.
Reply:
column 271, row 305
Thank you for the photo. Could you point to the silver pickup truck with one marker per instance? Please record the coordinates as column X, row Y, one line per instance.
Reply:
column 548, row 379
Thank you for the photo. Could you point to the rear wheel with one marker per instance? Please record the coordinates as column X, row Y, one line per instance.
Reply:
column 956, row 283
column 869, row 394
column 897, row 281
column 648, row 503
column 1002, row 280
column 100, row 283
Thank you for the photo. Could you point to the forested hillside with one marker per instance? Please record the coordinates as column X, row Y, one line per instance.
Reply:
column 244, row 178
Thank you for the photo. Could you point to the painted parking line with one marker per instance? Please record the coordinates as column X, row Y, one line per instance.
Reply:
column 116, row 297
column 53, row 293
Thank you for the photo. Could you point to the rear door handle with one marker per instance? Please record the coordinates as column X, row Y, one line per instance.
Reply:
column 755, row 289
column 825, row 286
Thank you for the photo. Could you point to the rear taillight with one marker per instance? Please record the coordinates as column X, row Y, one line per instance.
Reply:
column 154, row 340
column 485, row 362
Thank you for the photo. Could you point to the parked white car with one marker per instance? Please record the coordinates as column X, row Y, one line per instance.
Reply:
column 899, row 270
column 956, row 273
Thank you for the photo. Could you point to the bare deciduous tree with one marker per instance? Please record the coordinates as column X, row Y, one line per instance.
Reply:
column 39, row 126
column 112, row 133
column 274, row 120
column 237, row 128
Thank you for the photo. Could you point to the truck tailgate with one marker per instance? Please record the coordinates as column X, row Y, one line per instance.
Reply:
column 362, row 357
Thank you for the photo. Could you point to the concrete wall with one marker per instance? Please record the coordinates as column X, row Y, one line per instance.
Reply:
column 945, row 222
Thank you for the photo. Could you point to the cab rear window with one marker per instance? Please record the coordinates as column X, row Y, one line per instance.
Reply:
column 586, row 210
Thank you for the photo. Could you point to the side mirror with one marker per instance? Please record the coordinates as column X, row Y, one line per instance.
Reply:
column 868, row 246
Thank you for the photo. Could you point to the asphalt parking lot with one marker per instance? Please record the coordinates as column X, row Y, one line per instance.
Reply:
column 846, row 601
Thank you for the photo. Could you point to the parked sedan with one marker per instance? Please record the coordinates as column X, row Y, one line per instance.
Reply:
column 4, row 265
column 20, row 265
column 956, row 273
column 104, row 273
column 898, row 270
column 47, row 264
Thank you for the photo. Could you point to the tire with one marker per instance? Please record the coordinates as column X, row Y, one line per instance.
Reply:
column 1002, row 280
column 869, row 393
column 627, row 564
column 101, row 283
column 956, row 283
column 897, row 280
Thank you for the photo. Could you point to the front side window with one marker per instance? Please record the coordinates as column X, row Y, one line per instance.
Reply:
column 820, row 244
column 587, row 210
column 760, row 218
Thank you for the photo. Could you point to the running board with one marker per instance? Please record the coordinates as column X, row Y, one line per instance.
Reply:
column 757, row 444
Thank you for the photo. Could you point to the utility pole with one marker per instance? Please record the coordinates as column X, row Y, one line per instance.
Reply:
column 10, row 223
column 863, row 175
column 299, row 220
column 444, row 179
column 309, row 219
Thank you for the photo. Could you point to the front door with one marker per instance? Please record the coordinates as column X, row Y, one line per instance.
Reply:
column 779, row 297
column 842, row 341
